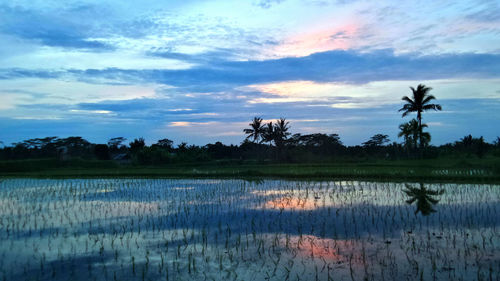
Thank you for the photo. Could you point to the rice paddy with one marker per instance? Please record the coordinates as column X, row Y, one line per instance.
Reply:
column 161, row 229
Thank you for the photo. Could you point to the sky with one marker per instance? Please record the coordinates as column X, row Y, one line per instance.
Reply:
column 199, row 71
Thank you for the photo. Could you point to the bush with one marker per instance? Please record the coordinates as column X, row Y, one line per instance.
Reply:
column 152, row 156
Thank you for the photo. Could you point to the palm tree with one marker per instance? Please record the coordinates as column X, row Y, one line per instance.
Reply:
column 256, row 129
column 419, row 103
column 406, row 131
column 424, row 198
column 425, row 137
column 268, row 134
column 410, row 132
column 281, row 131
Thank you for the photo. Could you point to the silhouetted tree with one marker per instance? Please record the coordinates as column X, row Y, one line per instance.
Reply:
column 165, row 144
column 220, row 151
column 137, row 145
column 467, row 141
column 75, row 146
column 472, row 145
column 315, row 140
column 496, row 151
column 281, row 132
column 419, row 102
column 377, row 140
column 322, row 145
column 116, row 143
column 42, row 147
column 101, row 151
column 256, row 130
column 268, row 133
column 480, row 147
column 153, row 155
column 407, row 130
column 182, row 147
column 410, row 132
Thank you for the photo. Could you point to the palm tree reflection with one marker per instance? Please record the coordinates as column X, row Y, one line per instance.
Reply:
column 425, row 198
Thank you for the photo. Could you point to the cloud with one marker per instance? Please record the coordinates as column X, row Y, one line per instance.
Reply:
column 372, row 94
column 16, row 73
column 332, row 66
column 473, row 116
column 202, row 58
column 192, row 124
column 80, row 111
column 49, row 29
column 180, row 124
column 341, row 35
column 266, row 4
column 489, row 11
column 25, row 96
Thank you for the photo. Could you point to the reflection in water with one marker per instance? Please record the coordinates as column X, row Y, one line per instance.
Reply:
column 291, row 203
column 312, row 246
column 158, row 229
column 256, row 181
column 424, row 198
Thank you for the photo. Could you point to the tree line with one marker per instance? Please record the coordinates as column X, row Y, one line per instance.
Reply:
column 295, row 148
column 271, row 141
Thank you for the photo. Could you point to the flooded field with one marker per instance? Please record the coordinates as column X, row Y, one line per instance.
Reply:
column 134, row 229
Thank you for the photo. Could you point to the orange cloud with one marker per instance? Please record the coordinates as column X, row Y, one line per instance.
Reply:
column 300, row 88
column 191, row 124
column 180, row 124
column 295, row 91
column 324, row 39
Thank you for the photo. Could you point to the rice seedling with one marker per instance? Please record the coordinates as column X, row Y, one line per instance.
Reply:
column 159, row 229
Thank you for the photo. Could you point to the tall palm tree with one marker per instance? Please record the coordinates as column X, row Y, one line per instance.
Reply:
column 268, row 134
column 256, row 129
column 281, row 131
column 419, row 102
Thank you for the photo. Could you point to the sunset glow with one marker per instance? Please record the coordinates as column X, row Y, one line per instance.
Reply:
column 319, row 40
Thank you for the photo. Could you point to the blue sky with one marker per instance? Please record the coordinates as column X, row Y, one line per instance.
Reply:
column 199, row 71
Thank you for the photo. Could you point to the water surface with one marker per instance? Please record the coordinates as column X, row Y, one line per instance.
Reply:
column 123, row 229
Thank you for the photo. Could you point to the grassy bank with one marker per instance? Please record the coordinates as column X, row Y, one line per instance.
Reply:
column 443, row 170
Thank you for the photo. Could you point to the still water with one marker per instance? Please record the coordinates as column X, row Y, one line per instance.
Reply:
column 158, row 229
